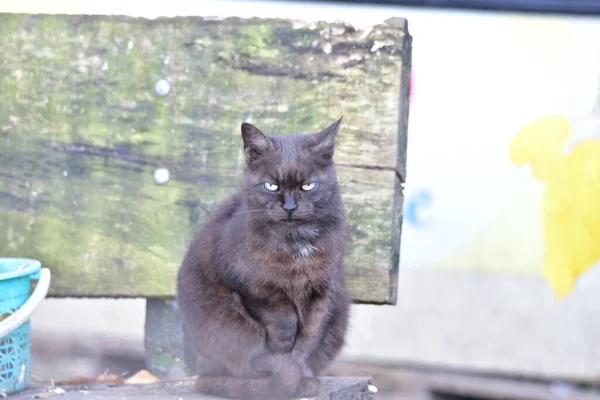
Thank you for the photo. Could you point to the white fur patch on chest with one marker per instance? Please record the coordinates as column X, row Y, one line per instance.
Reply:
column 305, row 250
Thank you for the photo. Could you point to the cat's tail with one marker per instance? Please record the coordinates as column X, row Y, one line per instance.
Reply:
column 281, row 384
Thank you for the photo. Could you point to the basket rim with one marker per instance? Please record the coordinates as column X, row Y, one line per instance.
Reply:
column 32, row 267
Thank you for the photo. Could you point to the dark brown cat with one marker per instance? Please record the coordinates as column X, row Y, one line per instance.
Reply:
column 261, row 289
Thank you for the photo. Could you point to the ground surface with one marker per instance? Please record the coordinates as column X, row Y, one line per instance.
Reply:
column 392, row 382
column 60, row 356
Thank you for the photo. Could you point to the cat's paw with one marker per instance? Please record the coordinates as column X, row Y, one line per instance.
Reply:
column 280, row 345
column 272, row 362
column 281, row 339
column 309, row 387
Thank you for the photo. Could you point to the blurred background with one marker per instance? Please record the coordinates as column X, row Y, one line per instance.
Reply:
column 474, row 295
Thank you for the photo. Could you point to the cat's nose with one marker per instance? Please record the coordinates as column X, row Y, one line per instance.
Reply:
column 289, row 208
column 289, row 205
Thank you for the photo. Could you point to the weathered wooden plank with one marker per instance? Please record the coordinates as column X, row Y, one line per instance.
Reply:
column 82, row 130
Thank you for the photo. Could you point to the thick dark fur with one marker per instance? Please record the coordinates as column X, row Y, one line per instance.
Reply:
column 261, row 289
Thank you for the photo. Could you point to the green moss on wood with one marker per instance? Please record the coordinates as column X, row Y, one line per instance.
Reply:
column 82, row 130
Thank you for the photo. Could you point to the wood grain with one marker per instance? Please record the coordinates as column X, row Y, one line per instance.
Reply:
column 82, row 130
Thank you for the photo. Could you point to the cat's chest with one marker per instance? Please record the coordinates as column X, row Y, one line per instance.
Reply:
column 293, row 274
column 304, row 264
column 294, row 258
column 304, row 252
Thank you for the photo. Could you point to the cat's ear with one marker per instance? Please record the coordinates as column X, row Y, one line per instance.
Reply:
column 256, row 143
column 323, row 142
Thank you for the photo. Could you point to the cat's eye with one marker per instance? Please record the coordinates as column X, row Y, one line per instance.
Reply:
column 271, row 187
column 308, row 186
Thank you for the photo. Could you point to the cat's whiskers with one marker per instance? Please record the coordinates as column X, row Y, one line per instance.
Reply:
column 319, row 223
column 247, row 212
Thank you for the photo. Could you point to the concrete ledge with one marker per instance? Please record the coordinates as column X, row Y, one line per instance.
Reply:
column 333, row 389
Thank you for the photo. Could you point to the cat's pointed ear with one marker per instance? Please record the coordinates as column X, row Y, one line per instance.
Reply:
column 324, row 141
column 256, row 143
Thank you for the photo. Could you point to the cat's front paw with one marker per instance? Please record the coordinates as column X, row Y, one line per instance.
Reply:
column 280, row 340
column 280, row 346
column 309, row 387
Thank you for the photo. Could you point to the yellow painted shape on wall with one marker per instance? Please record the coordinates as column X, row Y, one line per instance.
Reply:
column 540, row 144
column 571, row 204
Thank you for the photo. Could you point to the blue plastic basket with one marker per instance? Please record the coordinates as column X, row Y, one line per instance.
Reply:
column 16, row 306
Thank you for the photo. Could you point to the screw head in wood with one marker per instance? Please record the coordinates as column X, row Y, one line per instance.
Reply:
column 161, row 176
column 162, row 88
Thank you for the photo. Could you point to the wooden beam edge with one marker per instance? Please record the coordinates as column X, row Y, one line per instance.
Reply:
column 402, row 140
column 404, row 103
